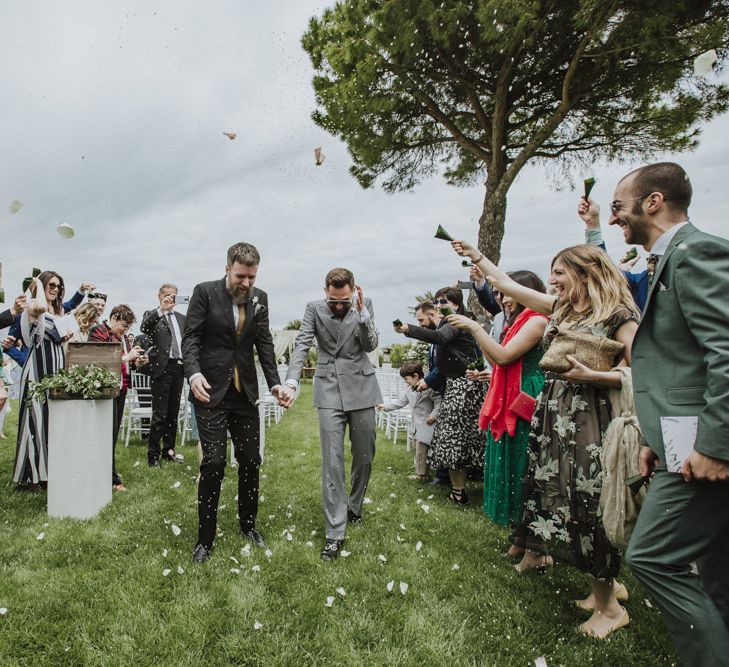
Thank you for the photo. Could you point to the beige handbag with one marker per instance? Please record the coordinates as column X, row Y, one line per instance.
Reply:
column 598, row 353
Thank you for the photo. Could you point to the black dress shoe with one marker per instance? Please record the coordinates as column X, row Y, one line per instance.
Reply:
column 331, row 549
column 154, row 463
column 200, row 554
column 353, row 518
column 254, row 536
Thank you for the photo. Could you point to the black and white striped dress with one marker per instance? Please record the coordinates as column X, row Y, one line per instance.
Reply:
column 45, row 356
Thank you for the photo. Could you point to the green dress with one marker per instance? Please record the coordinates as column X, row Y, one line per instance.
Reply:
column 506, row 459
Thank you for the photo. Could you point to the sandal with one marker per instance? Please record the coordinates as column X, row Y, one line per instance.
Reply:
column 458, row 496
column 541, row 569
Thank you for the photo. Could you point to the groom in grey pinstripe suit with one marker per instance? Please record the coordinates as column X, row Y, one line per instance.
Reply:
column 345, row 392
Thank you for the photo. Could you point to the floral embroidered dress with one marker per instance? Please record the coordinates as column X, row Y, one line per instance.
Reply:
column 564, row 475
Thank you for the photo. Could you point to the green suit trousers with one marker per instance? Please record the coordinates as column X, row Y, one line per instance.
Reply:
column 681, row 522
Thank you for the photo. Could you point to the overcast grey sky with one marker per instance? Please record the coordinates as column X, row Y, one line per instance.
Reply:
column 113, row 116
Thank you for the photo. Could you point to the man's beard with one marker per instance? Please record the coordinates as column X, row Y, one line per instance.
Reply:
column 239, row 295
column 340, row 314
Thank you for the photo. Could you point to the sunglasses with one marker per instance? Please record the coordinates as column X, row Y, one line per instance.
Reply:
column 616, row 206
column 54, row 285
column 440, row 302
column 97, row 295
column 334, row 302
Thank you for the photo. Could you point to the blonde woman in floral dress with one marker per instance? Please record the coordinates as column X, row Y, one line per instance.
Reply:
column 564, row 474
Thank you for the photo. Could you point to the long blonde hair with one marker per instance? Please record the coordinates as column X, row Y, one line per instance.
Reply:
column 606, row 287
column 86, row 315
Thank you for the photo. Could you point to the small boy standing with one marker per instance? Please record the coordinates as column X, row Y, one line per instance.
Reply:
column 424, row 406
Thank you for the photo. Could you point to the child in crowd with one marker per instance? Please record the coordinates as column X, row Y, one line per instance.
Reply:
column 424, row 406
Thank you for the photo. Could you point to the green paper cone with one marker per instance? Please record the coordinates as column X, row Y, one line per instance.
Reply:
column 477, row 365
column 2, row 295
column 442, row 234
column 466, row 264
column 26, row 284
column 35, row 273
column 631, row 254
column 396, row 323
column 589, row 184
column 446, row 311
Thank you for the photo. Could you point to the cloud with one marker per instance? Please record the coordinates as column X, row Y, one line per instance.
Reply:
column 116, row 128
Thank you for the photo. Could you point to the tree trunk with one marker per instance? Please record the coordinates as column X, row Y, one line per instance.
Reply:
column 491, row 222
column 490, row 233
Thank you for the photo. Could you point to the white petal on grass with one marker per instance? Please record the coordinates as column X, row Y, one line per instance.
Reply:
column 309, row 543
column 430, row 497
column 15, row 206
column 289, row 536
column 41, row 537
column 541, row 661
column 367, row 501
column 165, row 552
column 166, row 572
column 330, row 601
column 66, row 231
column 383, row 558
column 246, row 550
column 235, row 570
column 344, row 553
column 268, row 553
column 234, row 559
column 425, row 508
column 176, row 530
column 648, row 603
column 404, row 587
column 180, row 570
column 392, row 495
column 3, row 611
column 418, row 546
column 257, row 625
column 256, row 568
column 390, row 586
column 455, row 567
column 419, row 501
column 402, row 526
column 704, row 63
column 176, row 485
column 341, row 591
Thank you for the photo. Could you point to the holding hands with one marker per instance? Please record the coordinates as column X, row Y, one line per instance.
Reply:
column 285, row 395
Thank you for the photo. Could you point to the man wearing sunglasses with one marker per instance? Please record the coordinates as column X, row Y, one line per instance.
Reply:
column 345, row 392
column 680, row 362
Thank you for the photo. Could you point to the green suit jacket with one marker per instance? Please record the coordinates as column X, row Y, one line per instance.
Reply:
column 681, row 350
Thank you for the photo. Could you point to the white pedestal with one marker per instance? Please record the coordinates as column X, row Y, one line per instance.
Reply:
column 79, row 457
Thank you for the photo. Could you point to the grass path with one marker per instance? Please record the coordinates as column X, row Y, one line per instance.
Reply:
column 93, row 593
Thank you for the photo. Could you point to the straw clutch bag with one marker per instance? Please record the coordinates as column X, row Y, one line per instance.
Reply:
column 596, row 352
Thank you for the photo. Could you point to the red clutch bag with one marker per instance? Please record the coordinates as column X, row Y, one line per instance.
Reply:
column 523, row 406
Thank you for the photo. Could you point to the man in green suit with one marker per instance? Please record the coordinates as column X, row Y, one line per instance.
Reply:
column 681, row 385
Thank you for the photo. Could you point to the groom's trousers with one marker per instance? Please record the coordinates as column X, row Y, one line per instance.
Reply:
column 681, row 522
column 332, row 425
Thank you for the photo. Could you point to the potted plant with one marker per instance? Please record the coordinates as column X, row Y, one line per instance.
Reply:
column 77, row 383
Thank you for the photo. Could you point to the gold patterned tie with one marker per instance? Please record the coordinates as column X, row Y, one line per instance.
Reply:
column 652, row 262
column 238, row 331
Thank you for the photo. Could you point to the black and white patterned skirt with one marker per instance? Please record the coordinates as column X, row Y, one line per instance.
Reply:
column 457, row 441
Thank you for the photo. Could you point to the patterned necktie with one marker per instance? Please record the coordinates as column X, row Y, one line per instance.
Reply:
column 174, row 346
column 238, row 331
column 652, row 262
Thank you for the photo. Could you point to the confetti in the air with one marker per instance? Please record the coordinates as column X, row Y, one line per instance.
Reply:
column 319, row 157
column 15, row 206
column 66, row 231
column 230, row 135
column 704, row 63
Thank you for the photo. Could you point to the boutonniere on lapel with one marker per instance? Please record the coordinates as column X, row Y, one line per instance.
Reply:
column 257, row 307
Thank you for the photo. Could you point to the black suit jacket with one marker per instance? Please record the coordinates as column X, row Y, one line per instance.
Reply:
column 160, row 335
column 209, row 344
column 6, row 319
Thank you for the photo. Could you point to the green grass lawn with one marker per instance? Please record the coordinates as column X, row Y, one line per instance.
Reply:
column 93, row 592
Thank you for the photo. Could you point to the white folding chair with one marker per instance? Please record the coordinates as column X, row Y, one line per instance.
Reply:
column 140, row 405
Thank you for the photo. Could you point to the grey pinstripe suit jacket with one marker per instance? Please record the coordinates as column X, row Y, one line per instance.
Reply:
column 345, row 378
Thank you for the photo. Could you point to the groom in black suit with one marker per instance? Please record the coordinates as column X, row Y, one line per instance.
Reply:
column 225, row 319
